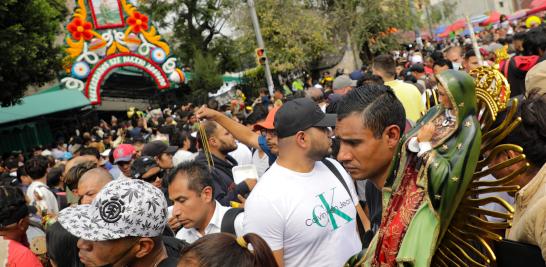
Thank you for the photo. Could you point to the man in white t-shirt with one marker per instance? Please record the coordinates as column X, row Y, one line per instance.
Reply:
column 38, row 192
column 299, row 207
column 191, row 190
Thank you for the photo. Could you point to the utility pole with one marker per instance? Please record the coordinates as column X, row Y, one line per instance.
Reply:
column 260, row 41
column 429, row 20
column 418, row 39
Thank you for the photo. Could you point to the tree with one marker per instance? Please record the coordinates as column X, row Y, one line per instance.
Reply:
column 442, row 12
column 372, row 23
column 194, row 23
column 295, row 36
column 28, row 29
column 205, row 75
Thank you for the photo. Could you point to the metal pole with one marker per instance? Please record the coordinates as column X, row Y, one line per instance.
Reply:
column 260, row 41
column 474, row 41
column 418, row 39
column 429, row 20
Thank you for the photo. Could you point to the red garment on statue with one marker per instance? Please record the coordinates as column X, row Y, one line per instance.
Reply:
column 402, row 207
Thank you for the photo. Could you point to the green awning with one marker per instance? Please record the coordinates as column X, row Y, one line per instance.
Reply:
column 42, row 104
column 227, row 78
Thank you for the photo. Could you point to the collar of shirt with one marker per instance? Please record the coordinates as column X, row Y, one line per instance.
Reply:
column 214, row 226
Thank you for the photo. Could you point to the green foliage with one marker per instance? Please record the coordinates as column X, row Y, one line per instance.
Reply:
column 205, row 75
column 295, row 36
column 28, row 29
column 445, row 7
column 196, row 26
column 253, row 79
column 368, row 22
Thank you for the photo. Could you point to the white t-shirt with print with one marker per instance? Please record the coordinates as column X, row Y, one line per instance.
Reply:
column 308, row 215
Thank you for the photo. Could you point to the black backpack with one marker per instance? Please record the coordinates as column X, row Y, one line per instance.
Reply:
column 228, row 222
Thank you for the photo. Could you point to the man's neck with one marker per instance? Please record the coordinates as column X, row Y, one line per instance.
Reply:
column 210, row 214
column 388, row 79
column 380, row 180
column 42, row 180
column 295, row 163
column 218, row 154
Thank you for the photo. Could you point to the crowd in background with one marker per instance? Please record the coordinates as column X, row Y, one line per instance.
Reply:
column 158, row 187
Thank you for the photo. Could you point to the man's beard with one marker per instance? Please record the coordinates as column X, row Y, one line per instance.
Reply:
column 226, row 148
column 318, row 153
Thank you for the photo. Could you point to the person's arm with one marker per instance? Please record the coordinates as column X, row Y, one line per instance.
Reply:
column 239, row 131
column 221, row 192
column 279, row 255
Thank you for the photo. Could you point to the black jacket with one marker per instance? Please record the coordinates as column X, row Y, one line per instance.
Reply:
column 225, row 189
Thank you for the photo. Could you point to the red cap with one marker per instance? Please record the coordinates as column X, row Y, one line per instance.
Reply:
column 124, row 152
column 268, row 123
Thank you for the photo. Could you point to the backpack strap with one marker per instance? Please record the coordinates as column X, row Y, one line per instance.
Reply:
column 228, row 222
column 336, row 172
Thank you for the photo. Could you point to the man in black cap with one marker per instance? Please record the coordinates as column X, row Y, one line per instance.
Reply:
column 300, row 207
column 161, row 152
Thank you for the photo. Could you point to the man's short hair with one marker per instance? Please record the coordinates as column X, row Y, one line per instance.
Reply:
column 535, row 40
column 443, row 62
column 520, row 36
column 210, row 128
column 377, row 105
column 197, row 173
column 36, row 167
column 13, row 206
column 470, row 53
column 90, row 151
column 386, row 64
column 75, row 173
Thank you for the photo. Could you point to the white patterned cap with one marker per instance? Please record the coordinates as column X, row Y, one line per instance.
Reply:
column 123, row 208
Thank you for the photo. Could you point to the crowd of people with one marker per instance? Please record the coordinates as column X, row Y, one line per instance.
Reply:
column 292, row 179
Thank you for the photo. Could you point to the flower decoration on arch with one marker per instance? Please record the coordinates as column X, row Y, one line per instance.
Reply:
column 80, row 29
column 138, row 22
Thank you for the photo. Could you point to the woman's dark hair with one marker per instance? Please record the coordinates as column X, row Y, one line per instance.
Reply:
column 13, row 206
column 36, row 167
column 62, row 246
column 223, row 249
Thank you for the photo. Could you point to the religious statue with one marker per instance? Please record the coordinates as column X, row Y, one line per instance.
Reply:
column 429, row 175
column 433, row 199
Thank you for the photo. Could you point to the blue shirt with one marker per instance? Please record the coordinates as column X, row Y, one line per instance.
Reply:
column 265, row 148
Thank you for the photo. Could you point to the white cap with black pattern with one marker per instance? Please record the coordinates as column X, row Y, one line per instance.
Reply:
column 123, row 208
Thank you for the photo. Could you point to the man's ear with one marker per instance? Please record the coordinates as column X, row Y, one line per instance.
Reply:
column 207, row 194
column 23, row 223
column 300, row 138
column 392, row 135
column 145, row 246
column 213, row 141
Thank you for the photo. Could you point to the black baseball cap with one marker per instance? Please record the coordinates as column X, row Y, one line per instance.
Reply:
column 301, row 114
column 155, row 148
column 142, row 165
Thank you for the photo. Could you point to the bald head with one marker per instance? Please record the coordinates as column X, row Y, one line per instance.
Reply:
column 91, row 183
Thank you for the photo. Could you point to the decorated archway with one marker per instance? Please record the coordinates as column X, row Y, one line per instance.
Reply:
column 107, row 34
